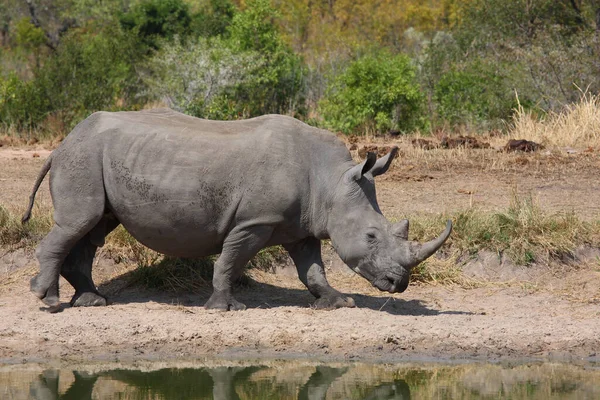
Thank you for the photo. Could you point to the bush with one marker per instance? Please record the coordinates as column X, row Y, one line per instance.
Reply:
column 376, row 93
column 248, row 73
column 152, row 20
column 213, row 19
column 90, row 72
column 279, row 83
column 22, row 103
column 199, row 78
column 473, row 96
column 87, row 72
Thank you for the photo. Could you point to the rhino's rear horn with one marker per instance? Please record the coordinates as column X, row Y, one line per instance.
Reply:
column 400, row 229
column 426, row 250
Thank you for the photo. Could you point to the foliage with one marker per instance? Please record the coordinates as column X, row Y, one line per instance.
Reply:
column 89, row 72
column 552, row 46
column 151, row 20
column 473, row 96
column 214, row 18
column 201, row 77
column 248, row 73
column 22, row 103
column 375, row 93
column 28, row 35
column 278, row 86
column 468, row 57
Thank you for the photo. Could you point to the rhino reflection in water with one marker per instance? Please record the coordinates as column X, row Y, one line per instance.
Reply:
column 217, row 383
column 188, row 187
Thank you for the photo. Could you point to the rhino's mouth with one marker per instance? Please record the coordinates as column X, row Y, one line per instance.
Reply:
column 391, row 283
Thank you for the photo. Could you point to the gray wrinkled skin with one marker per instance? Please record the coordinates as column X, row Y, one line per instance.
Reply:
column 188, row 187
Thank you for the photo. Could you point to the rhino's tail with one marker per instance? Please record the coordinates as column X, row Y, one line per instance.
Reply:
column 38, row 182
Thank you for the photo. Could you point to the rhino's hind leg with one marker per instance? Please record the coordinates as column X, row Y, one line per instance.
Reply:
column 51, row 253
column 307, row 257
column 239, row 247
column 77, row 268
column 78, row 197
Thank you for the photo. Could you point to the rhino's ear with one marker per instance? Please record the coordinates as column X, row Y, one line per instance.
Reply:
column 359, row 170
column 382, row 165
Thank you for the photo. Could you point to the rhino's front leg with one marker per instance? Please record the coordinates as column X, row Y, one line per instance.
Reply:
column 307, row 257
column 239, row 247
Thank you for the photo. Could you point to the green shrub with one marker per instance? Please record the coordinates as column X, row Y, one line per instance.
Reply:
column 23, row 104
column 473, row 96
column 28, row 35
column 248, row 73
column 201, row 77
column 90, row 72
column 152, row 20
column 213, row 19
column 375, row 93
column 278, row 86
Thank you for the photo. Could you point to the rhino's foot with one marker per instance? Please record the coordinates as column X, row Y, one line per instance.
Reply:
column 224, row 303
column 88, row 299
column 51, row 300
column 334, row 301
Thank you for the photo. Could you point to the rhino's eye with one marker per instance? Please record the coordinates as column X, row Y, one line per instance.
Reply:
column 371, row 236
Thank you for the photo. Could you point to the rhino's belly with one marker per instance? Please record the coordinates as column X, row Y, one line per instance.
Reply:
column 195, row 234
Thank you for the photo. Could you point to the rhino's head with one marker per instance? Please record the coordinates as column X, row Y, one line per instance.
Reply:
column 373, row 247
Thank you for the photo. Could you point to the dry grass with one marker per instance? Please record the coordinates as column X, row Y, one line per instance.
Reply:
column 523, row 232
column 11, row 137
column 157, row 271
column 14, row 235
column 577, row 125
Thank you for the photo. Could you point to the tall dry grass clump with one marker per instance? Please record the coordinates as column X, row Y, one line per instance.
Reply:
column 577, row 125
column 14, row 234
column 524, row 232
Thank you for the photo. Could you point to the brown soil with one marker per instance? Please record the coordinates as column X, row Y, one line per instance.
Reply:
column 515, row 313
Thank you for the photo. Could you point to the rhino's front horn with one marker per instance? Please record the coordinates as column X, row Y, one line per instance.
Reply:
column 426, row 250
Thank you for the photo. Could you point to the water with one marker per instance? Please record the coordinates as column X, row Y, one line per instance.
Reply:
column 300, row 380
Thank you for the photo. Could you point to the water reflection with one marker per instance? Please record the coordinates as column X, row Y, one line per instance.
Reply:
column 287, row 380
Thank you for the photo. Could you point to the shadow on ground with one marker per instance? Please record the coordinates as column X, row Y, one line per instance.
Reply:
column 255, row 294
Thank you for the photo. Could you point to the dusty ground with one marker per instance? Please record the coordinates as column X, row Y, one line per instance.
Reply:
column 536, row 314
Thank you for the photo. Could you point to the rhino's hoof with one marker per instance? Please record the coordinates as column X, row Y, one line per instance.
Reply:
column 223, row 304
column 52, row 301
column 328, row 303
column 88, row 299
column 36, row 288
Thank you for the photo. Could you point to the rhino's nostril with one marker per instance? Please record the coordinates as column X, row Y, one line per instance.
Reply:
column 393, row 282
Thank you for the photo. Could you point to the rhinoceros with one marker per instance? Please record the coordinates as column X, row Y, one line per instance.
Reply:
column 189, row 187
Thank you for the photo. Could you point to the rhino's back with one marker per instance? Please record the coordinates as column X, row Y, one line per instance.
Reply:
column 178, row 126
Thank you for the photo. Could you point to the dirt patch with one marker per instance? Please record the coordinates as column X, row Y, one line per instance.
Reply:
column 490, row 322
column 518, row 314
